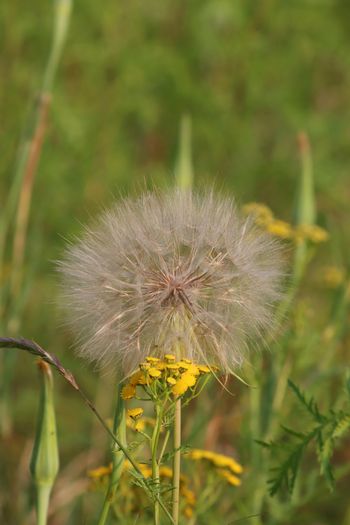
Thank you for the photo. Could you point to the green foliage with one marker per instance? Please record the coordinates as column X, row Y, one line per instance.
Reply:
column 323, row 435
column 252, row 76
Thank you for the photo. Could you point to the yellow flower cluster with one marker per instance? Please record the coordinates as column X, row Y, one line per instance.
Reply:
column 333, row 276
column 135, row 413
column 140, row 423
column 264, row 217
column 176, row 376
column 100, row 472
column 226, row 466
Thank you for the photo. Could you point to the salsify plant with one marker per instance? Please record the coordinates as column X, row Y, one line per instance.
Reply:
column 173, row 270
column 169, row 289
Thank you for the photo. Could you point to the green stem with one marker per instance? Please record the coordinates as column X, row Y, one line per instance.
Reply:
column 43, row 498
column 177, row 461
column 17, row 205
column 119, row 429
column 165, row 442
column 155, row 463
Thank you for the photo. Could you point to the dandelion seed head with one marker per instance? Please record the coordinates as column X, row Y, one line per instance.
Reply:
column 174, row 273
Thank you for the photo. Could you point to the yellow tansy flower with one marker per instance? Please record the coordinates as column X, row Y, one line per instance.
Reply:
column 139, row 425
column 218, row 460
column 166, row 472
column 193, row 370
column 151, row 359
column 171, row 381
column 100, row 472
column 183, row 384
column 183, row 364
column 145, row 469
column 204, row 369
column 311, row 232
column 262, row 213
column 154, row 372
column 169, row 357
column 189, row 378
column 189, row 495
column 172, row 366
column 138, row 378
column 280, row 229
column 180, row 388
column 128, row 391
column 230, row 478
column 135, row 413
column 333, row 276
column 188, row 512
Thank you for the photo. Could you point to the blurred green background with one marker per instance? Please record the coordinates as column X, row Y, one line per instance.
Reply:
column 251, row 75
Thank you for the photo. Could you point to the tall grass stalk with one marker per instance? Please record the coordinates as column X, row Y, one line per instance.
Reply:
column 18, row 203
column 266, row 400
column 177, row 461
column 305, row 209
column 155, row 461
column 184, row 166
column 118, row 458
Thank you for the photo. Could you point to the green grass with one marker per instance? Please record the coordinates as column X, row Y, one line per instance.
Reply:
column 251, row 76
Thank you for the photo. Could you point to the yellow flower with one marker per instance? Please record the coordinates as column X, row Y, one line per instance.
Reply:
column 261, row 212
column 153, row 372
column 128, row 391
column 151, row 359
column 218, row 460
column 171, row 381
column 179, row 388
column 311, row 232
column 195, row 454
column 172, row 366
column 183, row 384
column 188, row 494
column 185, row 364
column 144, row 468
column 138, row 378
column 188, row 512
column 169, row 357
column 139, row 425
column 193, row 370
column 190, row 378
column 280, row 229
column 230, row 478
column 166, row 472
column 204, row 369
column 333, row 276
column 135, row 413
column 100, row 472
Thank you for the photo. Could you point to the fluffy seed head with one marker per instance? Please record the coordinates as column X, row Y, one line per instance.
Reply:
column 171, row 273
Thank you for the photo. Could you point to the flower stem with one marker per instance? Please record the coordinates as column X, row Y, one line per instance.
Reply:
column 155, row 463
column 177, row 461
column 43, row 498
column 119, row 429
